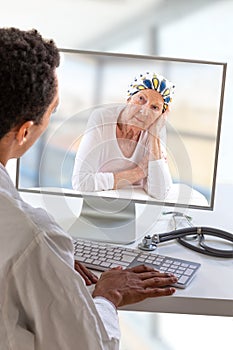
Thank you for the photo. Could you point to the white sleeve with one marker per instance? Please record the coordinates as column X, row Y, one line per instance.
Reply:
column 86, row 174
column 107, row 312
column 159, row 179
column 56, row 306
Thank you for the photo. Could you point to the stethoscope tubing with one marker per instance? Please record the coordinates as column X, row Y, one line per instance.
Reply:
column 198, row 232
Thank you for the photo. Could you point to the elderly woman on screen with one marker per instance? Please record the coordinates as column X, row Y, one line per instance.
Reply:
column 122, row 145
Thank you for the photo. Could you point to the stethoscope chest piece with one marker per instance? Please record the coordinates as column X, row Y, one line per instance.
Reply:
column 147, row 244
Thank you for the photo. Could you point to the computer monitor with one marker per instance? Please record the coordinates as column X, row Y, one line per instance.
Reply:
column 93, row 81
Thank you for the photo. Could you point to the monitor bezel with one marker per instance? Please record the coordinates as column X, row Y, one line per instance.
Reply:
column 141, row 201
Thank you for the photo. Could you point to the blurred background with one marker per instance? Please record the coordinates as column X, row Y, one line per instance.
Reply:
column 197, row 29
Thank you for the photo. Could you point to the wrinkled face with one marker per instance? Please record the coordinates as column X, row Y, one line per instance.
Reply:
column 144, row 108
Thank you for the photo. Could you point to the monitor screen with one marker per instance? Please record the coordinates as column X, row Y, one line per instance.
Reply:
column 94, row 90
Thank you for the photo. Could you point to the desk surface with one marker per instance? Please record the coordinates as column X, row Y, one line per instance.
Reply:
column 211, row 292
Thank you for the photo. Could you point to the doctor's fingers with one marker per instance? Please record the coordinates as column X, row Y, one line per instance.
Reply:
column 141, row 269
column 147, row 271
column 155, row 274
column 88, row 276
column 155, row 282
column 158, row 292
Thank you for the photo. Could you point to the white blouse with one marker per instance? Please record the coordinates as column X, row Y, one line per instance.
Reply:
column 44, row 303
column 99, row 156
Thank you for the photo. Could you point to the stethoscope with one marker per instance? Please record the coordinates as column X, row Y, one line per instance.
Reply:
column 192, row 237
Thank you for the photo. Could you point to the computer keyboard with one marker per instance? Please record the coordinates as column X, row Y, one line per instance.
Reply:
column 103, row 256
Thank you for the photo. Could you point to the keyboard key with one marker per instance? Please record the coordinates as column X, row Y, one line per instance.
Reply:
column 166, row 265
column 105, row 264
column 181, row 268
column 127, row 258
column 97, row 262
column 114, row 265
column 119, row 263
column 188, row 272
column 168, row 261
column 81, row 259
column 140, row 260
column 88, row 261
column 192, row 266
column 173, row 266
column 183, row 279
column 170, row 270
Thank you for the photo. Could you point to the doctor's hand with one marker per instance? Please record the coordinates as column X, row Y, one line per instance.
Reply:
column 88, row 276
column 124, row 287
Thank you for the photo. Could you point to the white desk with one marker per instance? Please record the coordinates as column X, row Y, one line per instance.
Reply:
column 211, row 292
column 178, row 193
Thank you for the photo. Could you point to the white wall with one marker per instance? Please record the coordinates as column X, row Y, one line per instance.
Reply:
column 204, row 34
column 208, row 35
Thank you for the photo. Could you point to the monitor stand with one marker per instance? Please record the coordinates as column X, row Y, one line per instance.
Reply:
column 106, row 220
column 103, row 219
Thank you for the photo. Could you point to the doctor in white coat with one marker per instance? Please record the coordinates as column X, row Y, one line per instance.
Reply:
column 44, row 301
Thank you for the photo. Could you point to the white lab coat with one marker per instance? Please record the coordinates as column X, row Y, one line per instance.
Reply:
column 44, row 303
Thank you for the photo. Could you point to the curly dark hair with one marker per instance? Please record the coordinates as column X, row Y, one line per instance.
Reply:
column 27, row 77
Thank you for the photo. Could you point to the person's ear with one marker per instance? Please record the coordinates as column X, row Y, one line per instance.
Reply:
column 23, row 131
